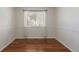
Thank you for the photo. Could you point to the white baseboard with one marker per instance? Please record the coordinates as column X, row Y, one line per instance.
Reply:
column 33, row 37
column 65, row 45
column 7, row 44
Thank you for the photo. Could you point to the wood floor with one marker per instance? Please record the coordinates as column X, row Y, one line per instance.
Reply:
column 36, row 45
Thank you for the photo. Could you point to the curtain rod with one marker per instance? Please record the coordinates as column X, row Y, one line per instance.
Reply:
column 35, row 10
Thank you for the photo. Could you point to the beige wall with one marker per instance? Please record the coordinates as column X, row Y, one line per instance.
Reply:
column 67, row 26
column 50, row 29
column 6, row 26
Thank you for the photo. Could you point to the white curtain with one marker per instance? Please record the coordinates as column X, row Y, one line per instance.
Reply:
column 35, row 23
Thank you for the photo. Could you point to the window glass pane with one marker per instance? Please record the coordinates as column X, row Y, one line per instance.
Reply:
column 34, row 18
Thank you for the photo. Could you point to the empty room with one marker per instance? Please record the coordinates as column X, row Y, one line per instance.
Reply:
column 39, row 29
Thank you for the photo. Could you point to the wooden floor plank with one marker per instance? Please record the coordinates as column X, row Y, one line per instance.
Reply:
column 36, row 45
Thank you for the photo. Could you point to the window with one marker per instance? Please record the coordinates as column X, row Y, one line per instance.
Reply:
column 34, row 18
